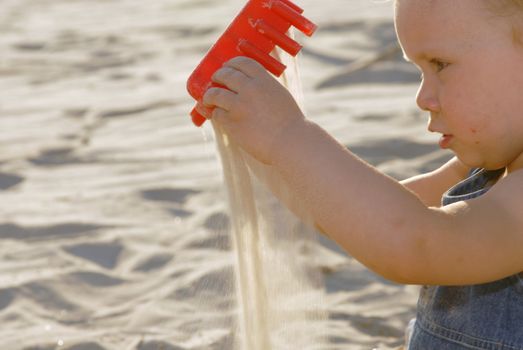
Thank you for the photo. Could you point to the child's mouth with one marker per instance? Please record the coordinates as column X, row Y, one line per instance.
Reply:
column 445, row 140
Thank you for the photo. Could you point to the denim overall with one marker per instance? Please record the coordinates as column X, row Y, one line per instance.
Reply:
column 483, row 316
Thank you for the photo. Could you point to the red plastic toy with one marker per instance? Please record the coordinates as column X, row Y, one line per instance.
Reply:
column 258, row 28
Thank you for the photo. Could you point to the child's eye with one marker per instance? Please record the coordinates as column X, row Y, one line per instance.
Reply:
column 439, row 65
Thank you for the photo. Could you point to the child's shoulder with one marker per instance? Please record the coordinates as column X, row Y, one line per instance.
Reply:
column 503, row 203
column 509, row 188
column 486, row 231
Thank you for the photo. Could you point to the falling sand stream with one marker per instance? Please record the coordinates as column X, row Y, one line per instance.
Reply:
column 279, row 290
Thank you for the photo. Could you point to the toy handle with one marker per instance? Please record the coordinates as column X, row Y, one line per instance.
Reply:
column 197, row 118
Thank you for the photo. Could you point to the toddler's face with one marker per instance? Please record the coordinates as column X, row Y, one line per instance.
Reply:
column 472, row 78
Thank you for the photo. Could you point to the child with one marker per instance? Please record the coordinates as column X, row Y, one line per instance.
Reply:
column 467, row 248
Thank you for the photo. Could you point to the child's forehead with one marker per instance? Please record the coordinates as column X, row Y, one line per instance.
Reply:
column 438, row 25
column 437, row 6
column 447, row 27
column 443, row 13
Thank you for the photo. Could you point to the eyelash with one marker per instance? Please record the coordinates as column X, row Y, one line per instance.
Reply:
column 438, row 64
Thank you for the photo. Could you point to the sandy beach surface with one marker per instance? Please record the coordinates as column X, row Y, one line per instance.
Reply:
column 113, row 212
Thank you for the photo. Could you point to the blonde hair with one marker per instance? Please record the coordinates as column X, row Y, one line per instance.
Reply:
column 512, row 10
column 506, row 5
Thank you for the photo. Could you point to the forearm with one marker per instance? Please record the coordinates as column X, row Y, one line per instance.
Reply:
column 375, row 218
column 367, row 213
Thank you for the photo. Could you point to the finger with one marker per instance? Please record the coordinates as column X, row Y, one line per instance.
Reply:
column 219, row 115
column 219, row 97
column 246, row 65
column 231, row 78
column 204, row 111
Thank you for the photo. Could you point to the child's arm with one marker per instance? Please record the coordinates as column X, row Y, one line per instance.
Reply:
column 430, row 187
column 376, row 219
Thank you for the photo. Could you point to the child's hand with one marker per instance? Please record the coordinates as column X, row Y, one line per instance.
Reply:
column 256, row 111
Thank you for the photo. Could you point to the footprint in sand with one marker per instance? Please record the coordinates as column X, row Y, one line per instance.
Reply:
column 30, row 46
column 155, row 262
column 156, row 345
column 55, row 157
column 7, row 296
column 8, row 181
column 86, row 346
column 170, row 195
column 216, row 281
column 102, row 254
column 45, row 295
column 18, row 232
column 176, row 197
column 95, row 279
column 219, row 225
column 379, row 151
column 133, row 110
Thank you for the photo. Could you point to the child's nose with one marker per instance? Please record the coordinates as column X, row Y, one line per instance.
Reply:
column 427, row 98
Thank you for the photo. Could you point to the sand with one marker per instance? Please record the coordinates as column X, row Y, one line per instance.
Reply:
column 114, row 221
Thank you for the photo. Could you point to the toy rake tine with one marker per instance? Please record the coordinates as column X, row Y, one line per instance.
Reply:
column 293, row 17
column 270, row 63
column 259, row 27
column 290, row 46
